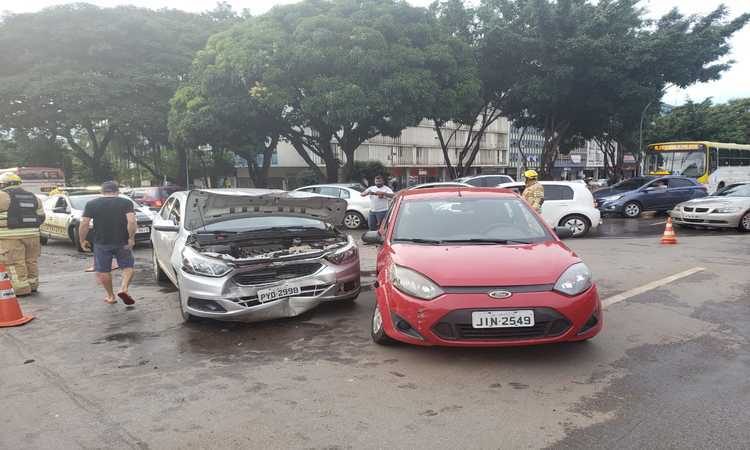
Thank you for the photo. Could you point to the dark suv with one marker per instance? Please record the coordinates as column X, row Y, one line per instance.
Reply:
column 631, row 197
column 153, row 197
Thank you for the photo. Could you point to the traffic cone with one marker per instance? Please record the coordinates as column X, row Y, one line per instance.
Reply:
column 669, row 237
column 10, row 311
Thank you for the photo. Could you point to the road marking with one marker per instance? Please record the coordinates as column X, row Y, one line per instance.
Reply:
column 649, row 286
column 658, row 223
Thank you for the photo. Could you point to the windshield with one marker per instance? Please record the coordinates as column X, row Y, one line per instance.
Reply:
column 631, row 184
column 357, row 187
column 244, row 224
column 735, row 190
column 688, row 164
column 465, row 219
column 80, row 201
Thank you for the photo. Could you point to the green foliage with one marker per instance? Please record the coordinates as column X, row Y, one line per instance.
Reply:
column 306, row 178
column 368, row 170
column 727, row 122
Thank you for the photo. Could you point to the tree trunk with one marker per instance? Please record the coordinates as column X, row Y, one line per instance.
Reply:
column 438, row 126
column 182, row 162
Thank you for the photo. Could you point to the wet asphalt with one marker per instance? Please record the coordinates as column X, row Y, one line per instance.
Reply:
column 669, row 370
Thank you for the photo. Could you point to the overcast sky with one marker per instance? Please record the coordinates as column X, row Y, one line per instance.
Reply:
column 734, row 83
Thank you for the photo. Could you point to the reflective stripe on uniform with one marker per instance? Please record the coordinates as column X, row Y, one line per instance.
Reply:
column 6, row 233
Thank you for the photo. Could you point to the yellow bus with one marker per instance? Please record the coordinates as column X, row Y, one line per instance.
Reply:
column 715, row 164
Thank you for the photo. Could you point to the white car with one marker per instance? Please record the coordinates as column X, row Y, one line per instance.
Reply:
column 253, row 254
column 358, row 207
column 486, row 180
column 441, row 184
column 566, row 203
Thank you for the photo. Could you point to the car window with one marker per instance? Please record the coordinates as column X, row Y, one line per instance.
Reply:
column 679, row 183
column 464, row 218
column 164, row 213
column 174, row 213
column 735, row 190
column 315, row 190
column 499, row 179
column 557, row 192
column 476, row 182
column 658, row 184
column 343, row 193
column 631, row 184
column 329, row 191
column 61, row 203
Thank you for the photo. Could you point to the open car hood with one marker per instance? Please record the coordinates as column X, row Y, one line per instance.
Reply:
column 205, row 206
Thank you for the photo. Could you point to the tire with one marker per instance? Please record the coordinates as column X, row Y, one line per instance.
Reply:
column 77, row 240
column 745, row 222
column 44, row 240
column 632, row 210
column 720, row 186
column 353, row 220
column 377, row 330
column 159, row 275
column 579, row 224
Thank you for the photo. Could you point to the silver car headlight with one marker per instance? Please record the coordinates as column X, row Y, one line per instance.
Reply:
column 728, row 210
column 345, row 254
column 576, row 279
column 413, row 283
column 197, row 264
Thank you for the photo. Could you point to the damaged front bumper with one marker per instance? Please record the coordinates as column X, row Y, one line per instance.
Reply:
column 229, row 298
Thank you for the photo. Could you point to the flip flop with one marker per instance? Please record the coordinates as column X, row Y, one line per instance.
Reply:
column 89, row 269
column 110, row 302
column 126, row 298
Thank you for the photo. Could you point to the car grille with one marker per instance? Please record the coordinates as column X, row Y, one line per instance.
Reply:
column 276, row 273
column 691, row 209
column 693, row 220
column 307, row 291
column 456, row 325
column 701, row 210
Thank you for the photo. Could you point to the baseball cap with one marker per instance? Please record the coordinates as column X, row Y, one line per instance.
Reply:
column 110, row 187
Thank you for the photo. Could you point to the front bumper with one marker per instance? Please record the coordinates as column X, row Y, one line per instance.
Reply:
column 611, row 207
column 706, row 219
column 224, row 299
column 443, row 321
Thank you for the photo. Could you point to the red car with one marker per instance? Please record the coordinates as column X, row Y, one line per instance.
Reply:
column 478, row 267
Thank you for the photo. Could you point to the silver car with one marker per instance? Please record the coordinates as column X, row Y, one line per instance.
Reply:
column 727, row 208
column 254, row 254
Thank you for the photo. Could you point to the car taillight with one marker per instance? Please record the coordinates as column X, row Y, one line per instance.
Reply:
column 157, row 203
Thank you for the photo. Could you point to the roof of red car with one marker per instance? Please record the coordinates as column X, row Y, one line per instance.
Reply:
column 468, row 192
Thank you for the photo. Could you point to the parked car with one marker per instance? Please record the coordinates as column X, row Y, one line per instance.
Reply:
column 566, row 204
column 64, row 209
column 727, row 208
column 598, row 184
column 485, row 180
column 647, row 193
column 153, row 197
column 253, row 254
column 441, row 184
column 478, row 268
column 358, row 207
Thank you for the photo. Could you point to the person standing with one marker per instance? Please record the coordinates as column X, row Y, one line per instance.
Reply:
column 534, row 191
column 379, row 199
column 116, row 225
column 21, row 214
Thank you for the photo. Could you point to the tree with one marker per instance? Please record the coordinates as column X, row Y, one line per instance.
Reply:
column 87, row 74
column 704, row 121
column 368, row 170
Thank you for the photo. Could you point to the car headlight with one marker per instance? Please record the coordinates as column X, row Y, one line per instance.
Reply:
column 413, row 283
column 197, row 264
column 728, row 210
column 612, row 198
column 576, row 279
column 346, row 254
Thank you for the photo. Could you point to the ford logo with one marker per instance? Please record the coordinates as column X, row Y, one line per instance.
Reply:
column 500, row 294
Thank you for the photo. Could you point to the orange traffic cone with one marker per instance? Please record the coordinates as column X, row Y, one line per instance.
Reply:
column 669, row 236
column 10, row 311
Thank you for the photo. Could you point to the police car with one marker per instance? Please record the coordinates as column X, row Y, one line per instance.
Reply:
column 64, row 208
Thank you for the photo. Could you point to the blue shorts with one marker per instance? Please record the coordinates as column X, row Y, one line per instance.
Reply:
column 104, row 254
column 375, row 219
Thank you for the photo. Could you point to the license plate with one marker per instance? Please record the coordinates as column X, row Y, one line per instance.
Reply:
column 690, row 216
column 502, row 319
column 275, row 293
column 142, row 230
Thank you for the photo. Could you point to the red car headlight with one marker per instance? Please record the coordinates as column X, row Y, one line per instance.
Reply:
column 575, row 280
column 413, row 283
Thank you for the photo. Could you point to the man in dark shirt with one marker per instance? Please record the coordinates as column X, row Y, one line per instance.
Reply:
column 115, row 223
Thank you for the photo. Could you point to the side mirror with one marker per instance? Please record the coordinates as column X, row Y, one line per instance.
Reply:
column 563, row 232
column 372, row 237
column 167, row 227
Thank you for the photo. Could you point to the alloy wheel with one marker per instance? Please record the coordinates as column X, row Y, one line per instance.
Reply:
column 352, row 221
column 745, row 223
column 632, row 210
column 576, row 225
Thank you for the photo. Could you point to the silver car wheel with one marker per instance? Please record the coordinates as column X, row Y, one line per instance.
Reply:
column 745, row 223
column 576, row 225
column 377, row 320
column 352, row 221
column 632, row 210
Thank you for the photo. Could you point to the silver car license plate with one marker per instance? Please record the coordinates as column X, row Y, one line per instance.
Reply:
column 278, row 292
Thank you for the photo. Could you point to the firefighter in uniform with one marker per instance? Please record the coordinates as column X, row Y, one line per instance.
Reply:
column 534, row 191
column 21, row 214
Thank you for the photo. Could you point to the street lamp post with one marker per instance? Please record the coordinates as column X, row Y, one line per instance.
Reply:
column 640, row 132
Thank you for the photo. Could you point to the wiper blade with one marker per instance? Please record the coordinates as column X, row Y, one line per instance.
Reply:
column 418, row 240
column 487, row 241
